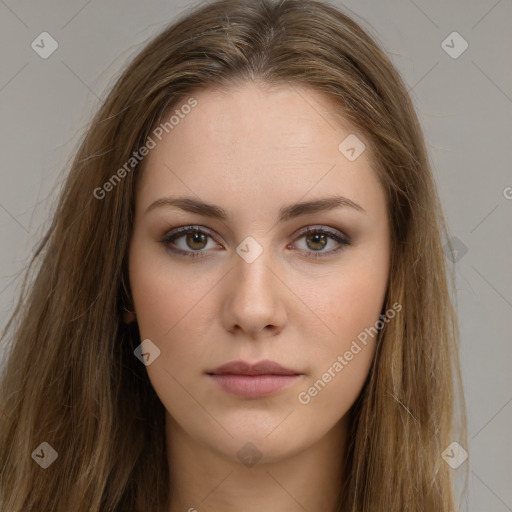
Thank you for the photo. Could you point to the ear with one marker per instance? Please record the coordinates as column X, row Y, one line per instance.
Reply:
column 128, row 316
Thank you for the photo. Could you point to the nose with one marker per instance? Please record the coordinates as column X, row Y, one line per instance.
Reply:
column 254, row 297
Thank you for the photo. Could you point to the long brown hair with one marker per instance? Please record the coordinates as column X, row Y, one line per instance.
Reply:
column 71, row 378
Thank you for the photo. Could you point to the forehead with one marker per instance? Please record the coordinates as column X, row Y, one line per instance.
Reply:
column 258, row 143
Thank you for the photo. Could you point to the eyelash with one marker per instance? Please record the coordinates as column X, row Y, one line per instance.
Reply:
column 179, row 232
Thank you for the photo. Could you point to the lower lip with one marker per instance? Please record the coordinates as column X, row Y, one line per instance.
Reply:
column 253, row 386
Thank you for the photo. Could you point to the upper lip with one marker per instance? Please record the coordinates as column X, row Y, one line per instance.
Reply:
column 260, row 368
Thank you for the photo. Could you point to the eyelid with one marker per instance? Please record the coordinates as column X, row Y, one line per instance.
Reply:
column 337, row 235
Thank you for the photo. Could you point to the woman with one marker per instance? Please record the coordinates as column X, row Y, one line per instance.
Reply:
column 242, row 300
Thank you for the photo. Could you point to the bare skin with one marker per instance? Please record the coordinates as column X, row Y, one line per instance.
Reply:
column 252, row 151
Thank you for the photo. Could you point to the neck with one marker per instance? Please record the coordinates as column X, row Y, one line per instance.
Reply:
column 204, row 480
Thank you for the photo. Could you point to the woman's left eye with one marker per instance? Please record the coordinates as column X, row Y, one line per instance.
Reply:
column 318, row 238
column 196, row 238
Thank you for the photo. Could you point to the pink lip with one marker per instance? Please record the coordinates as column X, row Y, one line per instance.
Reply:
column 253, row 381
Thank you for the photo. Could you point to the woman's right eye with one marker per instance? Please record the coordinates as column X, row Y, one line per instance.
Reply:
column 194, row 240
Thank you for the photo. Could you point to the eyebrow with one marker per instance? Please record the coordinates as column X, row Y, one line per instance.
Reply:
column 192, row 205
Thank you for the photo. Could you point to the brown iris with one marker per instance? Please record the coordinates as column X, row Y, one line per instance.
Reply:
column 316, row 237
column 194, row 237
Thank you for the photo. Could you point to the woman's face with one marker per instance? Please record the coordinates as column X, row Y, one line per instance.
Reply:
column 252, row 286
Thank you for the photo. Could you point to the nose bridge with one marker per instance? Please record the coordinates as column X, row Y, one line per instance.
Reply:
column 253, row 300
column 252, row 272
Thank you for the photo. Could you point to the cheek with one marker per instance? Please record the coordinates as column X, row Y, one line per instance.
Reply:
column 164, row 294
column 343, row 356
column 329, row 396
column 348, row 302
column 167, row 304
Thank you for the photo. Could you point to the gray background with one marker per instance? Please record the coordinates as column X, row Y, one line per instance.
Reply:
column 464, row 104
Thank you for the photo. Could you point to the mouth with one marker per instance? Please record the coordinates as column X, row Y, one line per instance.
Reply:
column 259, row 380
